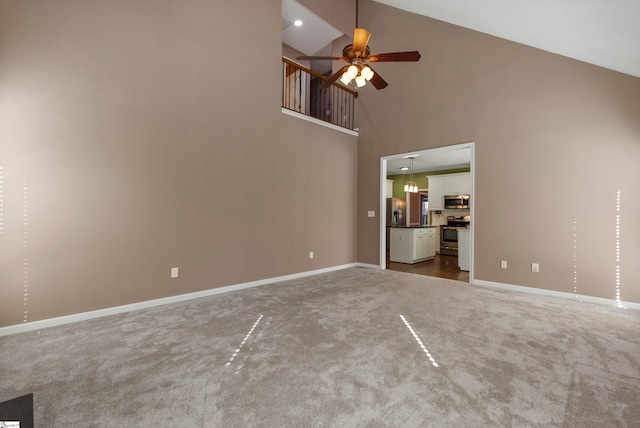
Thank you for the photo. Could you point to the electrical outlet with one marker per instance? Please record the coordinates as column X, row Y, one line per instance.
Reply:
column 310, row 254
column 371, row 213
column 503, row 264
column 535, row 267
column 174, row 272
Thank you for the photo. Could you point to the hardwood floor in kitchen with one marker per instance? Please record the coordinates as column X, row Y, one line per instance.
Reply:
column 441, row 267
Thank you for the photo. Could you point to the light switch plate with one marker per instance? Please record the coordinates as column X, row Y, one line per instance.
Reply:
column 371, row 214
column 174, row 272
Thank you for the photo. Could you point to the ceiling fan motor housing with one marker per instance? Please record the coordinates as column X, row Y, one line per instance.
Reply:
column 350, row 54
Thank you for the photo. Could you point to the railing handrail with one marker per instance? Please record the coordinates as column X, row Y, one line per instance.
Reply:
column 319, row 76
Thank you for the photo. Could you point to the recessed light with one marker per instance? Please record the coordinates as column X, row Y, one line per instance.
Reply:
column 297, row 23
column 404, row 168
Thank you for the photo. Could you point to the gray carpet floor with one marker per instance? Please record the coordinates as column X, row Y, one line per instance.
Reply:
column 357, row 347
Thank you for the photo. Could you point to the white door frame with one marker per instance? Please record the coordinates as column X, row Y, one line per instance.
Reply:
column 383, row 196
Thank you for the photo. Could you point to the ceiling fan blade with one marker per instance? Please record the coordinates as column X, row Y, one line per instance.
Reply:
column 360, row 40
column 334, row 77
column 395, row 56
column 378, row 81
column 331, row 58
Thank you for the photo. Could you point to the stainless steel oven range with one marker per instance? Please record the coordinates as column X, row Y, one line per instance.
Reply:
column 449, row 234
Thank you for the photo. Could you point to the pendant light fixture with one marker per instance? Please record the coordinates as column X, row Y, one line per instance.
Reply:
column 410, row 186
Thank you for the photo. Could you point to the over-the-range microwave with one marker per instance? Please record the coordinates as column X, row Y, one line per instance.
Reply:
column 456, row 202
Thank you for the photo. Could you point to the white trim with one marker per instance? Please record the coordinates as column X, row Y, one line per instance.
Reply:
column 319, row 122
column 560, row 294
column 382, row 261
column 83, row 316
column 472, row 235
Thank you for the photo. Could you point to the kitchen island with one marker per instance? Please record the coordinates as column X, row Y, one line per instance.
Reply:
column 412, row 244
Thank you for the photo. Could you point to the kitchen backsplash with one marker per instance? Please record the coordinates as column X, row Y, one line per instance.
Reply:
column 441, row 219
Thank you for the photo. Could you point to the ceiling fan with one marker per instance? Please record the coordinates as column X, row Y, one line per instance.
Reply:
column 357, row 54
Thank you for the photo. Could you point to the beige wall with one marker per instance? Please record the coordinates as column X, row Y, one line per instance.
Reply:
column 122, row 122
column 127, row 129
column 556, row 139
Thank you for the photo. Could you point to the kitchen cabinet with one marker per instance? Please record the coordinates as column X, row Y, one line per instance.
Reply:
column 412, row 244
column 464, row 184
column 436, row 185
column 445, row 185
column 389, row 189
column 457, row 184
column 424, row 245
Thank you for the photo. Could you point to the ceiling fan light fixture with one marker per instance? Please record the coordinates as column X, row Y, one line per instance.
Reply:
column 345, row 79
column 367, row 72
column 352, row 71
column 360, row 81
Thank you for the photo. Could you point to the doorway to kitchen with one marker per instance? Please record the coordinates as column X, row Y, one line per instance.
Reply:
column 413, row 244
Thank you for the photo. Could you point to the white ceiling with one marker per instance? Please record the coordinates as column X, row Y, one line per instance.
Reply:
column 431, row 160
column 313, row 37
column 600, row 32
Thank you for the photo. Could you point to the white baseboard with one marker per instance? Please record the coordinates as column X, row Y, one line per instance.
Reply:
column 67, row 319
column 561, row 294
column 52, row 322
column 367, row 265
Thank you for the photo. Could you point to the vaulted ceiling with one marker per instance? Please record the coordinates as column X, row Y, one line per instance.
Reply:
column 601, row 32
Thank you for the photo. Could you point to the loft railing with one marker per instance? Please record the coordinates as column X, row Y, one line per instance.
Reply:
column 301, row 93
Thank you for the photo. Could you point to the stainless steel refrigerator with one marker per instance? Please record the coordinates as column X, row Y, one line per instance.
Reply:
column 396, row 215
column 396, row 212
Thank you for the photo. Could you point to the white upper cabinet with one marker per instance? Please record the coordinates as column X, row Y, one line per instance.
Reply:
column 464, row 184
column 457, row 184
column 451, row 185
column 436, row 188
column 445, row 185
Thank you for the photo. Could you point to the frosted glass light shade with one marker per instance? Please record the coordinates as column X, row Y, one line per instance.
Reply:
column 367, row 72
column 352, row 71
